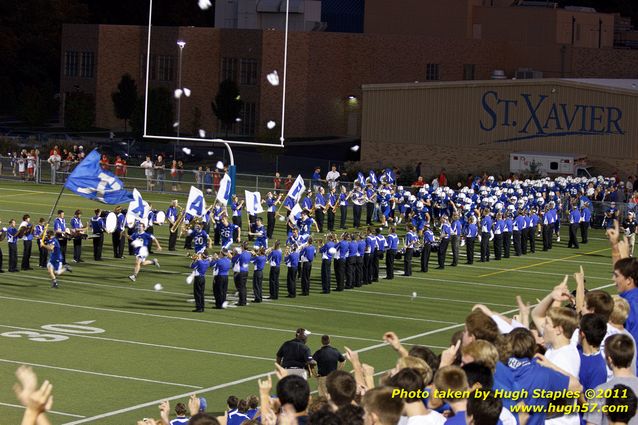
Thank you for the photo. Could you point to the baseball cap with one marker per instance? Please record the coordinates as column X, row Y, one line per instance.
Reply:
column 202, row 404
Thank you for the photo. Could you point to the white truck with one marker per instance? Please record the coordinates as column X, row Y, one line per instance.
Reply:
column 549, row 164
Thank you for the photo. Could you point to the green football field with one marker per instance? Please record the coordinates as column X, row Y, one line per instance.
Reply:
column 114, row 349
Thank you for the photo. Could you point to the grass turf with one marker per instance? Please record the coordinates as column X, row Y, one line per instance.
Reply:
column 152, row 347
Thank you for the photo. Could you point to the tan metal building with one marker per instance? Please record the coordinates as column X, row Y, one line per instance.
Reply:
column 473, row 126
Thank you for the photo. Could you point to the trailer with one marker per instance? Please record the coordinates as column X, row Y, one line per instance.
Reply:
column 549, row 164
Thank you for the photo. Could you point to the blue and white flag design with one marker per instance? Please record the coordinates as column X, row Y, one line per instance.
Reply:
column 361, row 179
column 295, row 214
column 225, row 186
column 297, row 189
column 389, row 176
column 373, row 178
column 91, row 181
column 196, row 204
column 138, row 207
column 253, row 202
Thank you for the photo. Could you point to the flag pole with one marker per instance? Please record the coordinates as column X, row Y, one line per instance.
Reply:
column 55, row 204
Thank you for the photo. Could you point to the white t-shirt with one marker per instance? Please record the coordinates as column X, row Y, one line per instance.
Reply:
column 507, row 418
column 568, row 359
column 432, row 418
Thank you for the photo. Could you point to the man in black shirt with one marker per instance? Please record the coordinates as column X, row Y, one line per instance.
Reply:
column 328, row 360
column 630, row 230
column 294, row 355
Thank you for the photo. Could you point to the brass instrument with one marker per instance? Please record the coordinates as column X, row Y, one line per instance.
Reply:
column 178, row 221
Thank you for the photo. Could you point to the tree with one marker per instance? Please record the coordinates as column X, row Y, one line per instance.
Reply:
column 227, row 104
column 125, row 99
column 79, row 111
column 160, row 114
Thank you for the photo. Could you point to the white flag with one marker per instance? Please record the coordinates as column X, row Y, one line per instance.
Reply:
column 253, row 202
column 297, row 189
column 295, row 214
column 138, row 207
column 223, row 194
column 196, row 204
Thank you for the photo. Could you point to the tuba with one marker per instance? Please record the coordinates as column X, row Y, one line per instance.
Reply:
column 179, row 220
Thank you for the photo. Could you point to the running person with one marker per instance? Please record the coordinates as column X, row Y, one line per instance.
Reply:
column 141, row 242
column 55, row 266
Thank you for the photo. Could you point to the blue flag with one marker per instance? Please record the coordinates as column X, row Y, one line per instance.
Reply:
column 91, row 181
column 373, row 178
column 389, row 176
column 361, row 179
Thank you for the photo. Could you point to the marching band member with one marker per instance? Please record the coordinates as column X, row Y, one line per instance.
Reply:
column 382, row 245
column 327, row 253
column 171, row 216
column 507, row 234
column 271, row 209
column 320, row 208
column 351, row 262
column 56, row 265
column 585, row 219
column 25, row 232
column 532, row 226
column 358, row 199
column 258, row 230
column 200, row 265
column 241, row 261
column 523, row 214
column 97, row 227
column 343, row 206
column 341, row 258
column 519, row 226
column 471, row 234
column 446, row 231
column 259, row 260
column 12, row 241
column 486, row 231
column 222, row 266
column 38, row 234
column 307, row 256
column 201, row 240
column 360, row 268
column 370, row 195
column 218, row 212
column 332, row 208
column 149, row 227
column 61, row 232
column 140, row 242
column 499, row 227
column 292, row 262
column 236, row 206
column 409, row 242
column 370, row 247
column 118, row 235
column 306, row 202
column 226, row 232
column 393, row 245
column 455, row 237
column 574, row 224
column 77, row 231
column 274, row 259
column 428, row 242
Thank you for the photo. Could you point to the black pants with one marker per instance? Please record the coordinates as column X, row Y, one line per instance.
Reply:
column 454, row 242
column 367, row 268
column 273, row 282
column 469, row 249
column 131, row 250
column 407, row 262
column 240, row 284
column 524, row 235
column 425, row 257
column 220, row 289
column 172, row 240
column 356, row 212
column 442, row 251
column 498, row 246
column 546, row 231
column 531, row 237
column 319, row 215
column 199, row 286
column 358, row 271
column 149, row 230
column 517, row 243
column 344, row 215
column 1, row 261
column 98, row 243
column 63, row 242
column 270, row 229
column 351, row 265
column 13, row 257
column 236, row 222
column 485, row 246
column 573, row 236
column 377, row 255
column 331, row 220
column 217, row 237
column 507, row 242
column 389, row 263
column 188, row 241
column 306, row 269
column 291, row 282
column 369, row 212
column 340, row 273
column 77, row 249
column 26, row 255
column 44, row 254
column 258, row 283
column 325, row 276
column 118, row 244
column 584, row 228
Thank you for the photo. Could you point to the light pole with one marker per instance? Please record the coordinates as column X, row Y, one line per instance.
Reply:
column 180, row 44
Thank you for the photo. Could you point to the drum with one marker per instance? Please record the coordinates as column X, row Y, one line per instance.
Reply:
column 111, row 222
column 160, row 218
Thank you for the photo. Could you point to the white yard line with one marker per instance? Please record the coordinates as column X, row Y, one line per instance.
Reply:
column 108, row 375
column 55, row 412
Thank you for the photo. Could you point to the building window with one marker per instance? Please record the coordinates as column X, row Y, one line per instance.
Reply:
column 71, row 64
column 249, row 119
column 248, row 72
column 165, row 68
column 229, row 69
column 468, row 71
column 432, row 71
column 88, row 65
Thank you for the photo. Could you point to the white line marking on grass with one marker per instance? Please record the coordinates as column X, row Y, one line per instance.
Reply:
column 55, row 412
column 431, row 298
column 534, row 257
column 108, row 375
column 531, row 271
column 147, row 344
column 465, row 282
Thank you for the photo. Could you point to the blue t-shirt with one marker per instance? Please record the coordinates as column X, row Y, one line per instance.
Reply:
column 200, row 240
column 457, row 419
column 308, row 253
column 146, row 239
column 325, row 250
column 274, row 258
column 593, row 370
column 226, row 232
column 292, row 259
column 243, row 259
column 222, row 266
column 632, row 321
column 56, row 254
column 259, row 261
column 201, row 267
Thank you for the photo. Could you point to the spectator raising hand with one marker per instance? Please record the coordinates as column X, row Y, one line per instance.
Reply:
column 35, row 400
